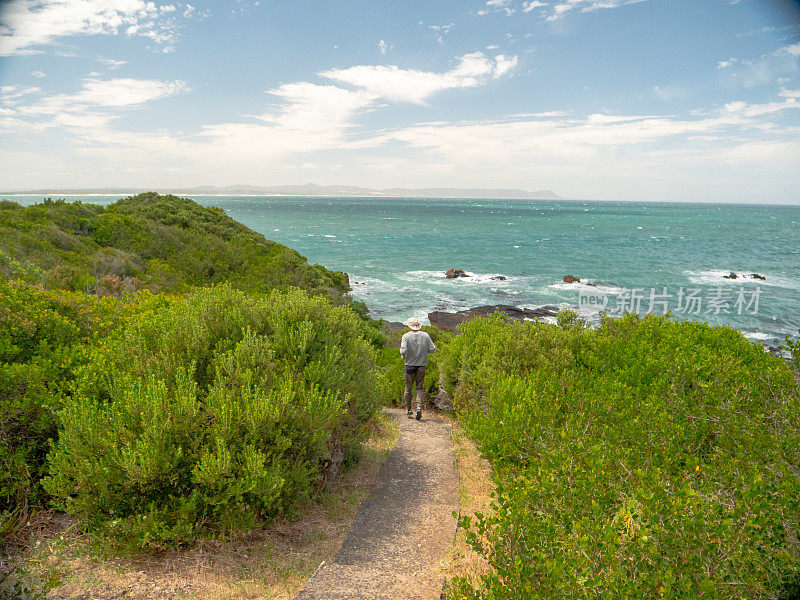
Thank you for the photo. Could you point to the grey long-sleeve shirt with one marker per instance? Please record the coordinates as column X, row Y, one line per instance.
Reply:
column 415, row 347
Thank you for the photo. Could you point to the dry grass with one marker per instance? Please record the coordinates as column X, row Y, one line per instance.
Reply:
column 475, row 489
column 269, row 563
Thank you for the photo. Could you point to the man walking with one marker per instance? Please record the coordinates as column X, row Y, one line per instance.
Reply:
column 414, row 348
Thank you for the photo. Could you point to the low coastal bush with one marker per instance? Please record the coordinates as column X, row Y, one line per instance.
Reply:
column 216, row 412
column 646, row 458
column 793, row 345
column 163, row 243
column 44, row 340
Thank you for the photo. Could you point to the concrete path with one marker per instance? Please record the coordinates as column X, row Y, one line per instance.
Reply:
column 403, row 530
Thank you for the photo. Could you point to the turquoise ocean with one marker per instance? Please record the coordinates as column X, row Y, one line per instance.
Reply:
column 396, row 251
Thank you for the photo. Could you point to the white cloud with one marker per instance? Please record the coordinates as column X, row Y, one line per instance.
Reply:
column 26, row 24
column 410, row 85
column 591, row 140
column 10, row 94
column 559, row 10
column 784, row 93
column 531, row 4
column 111, row 63
column 767, row 68
column 498, row 5
column 110, row 93
column 38, row 74
column 791, row 50
column 313, row 117
column 90, row 110
column 384, row 46
column 745, row 109
column 440, row 31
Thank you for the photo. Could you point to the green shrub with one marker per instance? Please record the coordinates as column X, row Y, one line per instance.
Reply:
column 167, row 243
column 216, row 412
column 643, row 459
column 44, row 338
column 793, row 346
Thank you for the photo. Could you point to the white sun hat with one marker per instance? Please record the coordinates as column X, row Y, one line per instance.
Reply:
column 414, row 324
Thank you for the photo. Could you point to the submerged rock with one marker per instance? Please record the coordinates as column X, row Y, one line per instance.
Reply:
column 499, row 278
column 757, row 276
column 571, row 279
column 453, row 273
column 448, row 321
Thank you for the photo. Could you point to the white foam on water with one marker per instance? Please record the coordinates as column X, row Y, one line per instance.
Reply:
column 328, row 235
column 599, row 288
column 484, row 277
column 440, row 277
column 373, row 285
column 429, row 276
column 758, row 335
column 716, row 277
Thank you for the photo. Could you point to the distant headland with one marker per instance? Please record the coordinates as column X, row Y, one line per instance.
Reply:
column 309, row 189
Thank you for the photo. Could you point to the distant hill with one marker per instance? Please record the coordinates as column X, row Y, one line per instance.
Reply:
column 312, row 189
column 151, row 241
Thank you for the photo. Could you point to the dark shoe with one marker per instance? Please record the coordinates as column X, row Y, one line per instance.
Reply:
column 409, row 414
column 419, row 414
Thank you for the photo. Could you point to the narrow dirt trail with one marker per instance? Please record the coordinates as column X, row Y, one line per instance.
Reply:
column 402, row 531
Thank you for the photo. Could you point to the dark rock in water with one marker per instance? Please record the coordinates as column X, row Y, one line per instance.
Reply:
column 592, row 284
column 498, row 278
column 757, row 276
column 453, row 273
column 449, row 321
column 731, row 276
column 571, row 279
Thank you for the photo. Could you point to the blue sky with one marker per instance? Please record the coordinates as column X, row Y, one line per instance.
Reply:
column 594, row 99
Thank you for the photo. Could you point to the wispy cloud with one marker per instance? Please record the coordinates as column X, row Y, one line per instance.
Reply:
column 529, row 5
column 112, row 63
column 440, row 31
column 410, row 85
column 27, row 24
column 562, row 8
column 767, row 68
column 504, row 6
column 93, row 107
column 551, row 11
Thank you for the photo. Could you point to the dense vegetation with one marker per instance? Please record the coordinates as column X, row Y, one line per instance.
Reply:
column 217, row 411
column 44, row 339
column 163, row 243
column 643, row 459
column 80, row 331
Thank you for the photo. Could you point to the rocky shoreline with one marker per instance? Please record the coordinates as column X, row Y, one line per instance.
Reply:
column 448, row 321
